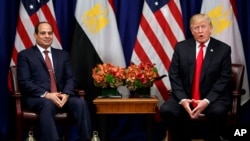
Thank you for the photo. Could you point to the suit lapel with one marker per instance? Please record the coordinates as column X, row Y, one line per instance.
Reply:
column 39, row 55
column 55, row 60
column 208, row 57
column 192, row 59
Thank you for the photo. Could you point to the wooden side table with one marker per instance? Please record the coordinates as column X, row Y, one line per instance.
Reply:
column 128, row 106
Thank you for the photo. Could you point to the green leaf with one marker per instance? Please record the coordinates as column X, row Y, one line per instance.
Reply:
column 155, row 69
column 109, row 78
column 138, row 84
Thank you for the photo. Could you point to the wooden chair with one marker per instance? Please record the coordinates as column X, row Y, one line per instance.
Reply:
column 27, row 119
column 237, row 92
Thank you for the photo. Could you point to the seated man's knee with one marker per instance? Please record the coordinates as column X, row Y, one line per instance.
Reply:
column 218, row 112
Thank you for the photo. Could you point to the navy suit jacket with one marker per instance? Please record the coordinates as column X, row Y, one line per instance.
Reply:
column 33, row 74
column 216, row 71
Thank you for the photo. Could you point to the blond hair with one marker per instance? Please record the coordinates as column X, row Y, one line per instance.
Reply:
column 199, row 17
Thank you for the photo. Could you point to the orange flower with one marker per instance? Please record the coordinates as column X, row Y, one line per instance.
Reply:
column 134, row 76
column 107, row 75
column 140, row 76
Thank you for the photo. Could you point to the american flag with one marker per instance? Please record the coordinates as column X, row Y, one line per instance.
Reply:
column 30, row 13
column 161, row 27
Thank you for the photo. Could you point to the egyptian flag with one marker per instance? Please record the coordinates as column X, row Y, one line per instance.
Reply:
column 225, row 28
column 95, row 40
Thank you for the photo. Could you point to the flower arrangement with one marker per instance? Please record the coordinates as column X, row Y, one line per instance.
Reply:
column 141, row 76
column 108, row 76
column 134, row 76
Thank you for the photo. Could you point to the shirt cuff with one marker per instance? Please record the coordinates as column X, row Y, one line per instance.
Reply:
column 44, row 94
column 182, row 101
column 206, row 100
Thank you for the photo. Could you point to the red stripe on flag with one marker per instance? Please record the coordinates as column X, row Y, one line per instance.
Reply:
column 139, row 50
column 143, row 56
column 155, row 42
column 51, row 20
column 14, row 55
column 23, row 34
column 162, row 89
column 233, row 3
column 111, row 3
column 157, row 115
column 165, row 28
column 176, row 13
column 34, row 19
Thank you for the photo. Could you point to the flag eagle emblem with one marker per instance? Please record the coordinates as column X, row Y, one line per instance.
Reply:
column 220, row 19
column 95, row 19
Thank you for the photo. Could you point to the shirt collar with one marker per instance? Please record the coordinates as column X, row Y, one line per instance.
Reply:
column 42, row 49
column 206, row 43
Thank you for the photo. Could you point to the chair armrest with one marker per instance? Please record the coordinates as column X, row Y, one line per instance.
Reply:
column 170, row 92
column 239, row 92
column 16, row 94
column 17, row 99
column 236, row 101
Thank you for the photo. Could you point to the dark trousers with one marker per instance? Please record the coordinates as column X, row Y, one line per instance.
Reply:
column 180, row 125
column 75, row 107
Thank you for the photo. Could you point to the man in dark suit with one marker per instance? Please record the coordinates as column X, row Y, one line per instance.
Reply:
column 214, row 81
column 35, row 82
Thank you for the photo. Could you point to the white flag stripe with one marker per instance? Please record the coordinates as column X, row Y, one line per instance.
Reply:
column 150, row 52
column 152, row 21
column 147, row 46
column 19, row 44
column 173, row 25
column 51, row 8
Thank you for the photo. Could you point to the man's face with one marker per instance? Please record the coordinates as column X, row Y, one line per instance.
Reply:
column 201, row 30
column 44, row 37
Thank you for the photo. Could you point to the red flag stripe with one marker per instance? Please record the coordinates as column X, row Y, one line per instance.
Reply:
column 24, row 35
column 166, row 28
column 175, row 11
column 34, row 19
column 14, row 55
column 50, row 18
column 233, row 3
column 111, row 3
column 139, row 50
column 143, row 56
column 155, row 42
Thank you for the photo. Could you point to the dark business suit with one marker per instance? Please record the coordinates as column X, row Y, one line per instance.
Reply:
column 215, row 78
column 35, row 81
